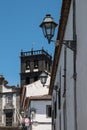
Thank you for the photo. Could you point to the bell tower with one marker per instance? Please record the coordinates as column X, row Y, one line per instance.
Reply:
column 32, row 64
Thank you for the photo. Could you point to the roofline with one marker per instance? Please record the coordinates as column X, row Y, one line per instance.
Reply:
column 36, row 98
column 44, row 97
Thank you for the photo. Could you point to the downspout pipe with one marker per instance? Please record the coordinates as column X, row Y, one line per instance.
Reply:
column 74, row 62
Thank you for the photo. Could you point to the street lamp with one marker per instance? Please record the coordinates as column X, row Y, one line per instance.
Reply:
column 33, row 111
column 22, row 114
column 48, row 27
column 43, row 77
column 32, row 116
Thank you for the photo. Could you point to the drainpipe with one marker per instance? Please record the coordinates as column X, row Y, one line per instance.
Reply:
column 64, row 93
column 74, row 61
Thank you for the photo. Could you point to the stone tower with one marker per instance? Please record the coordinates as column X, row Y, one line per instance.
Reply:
column 32, row 64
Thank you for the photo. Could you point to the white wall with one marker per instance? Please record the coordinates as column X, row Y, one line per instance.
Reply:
column 3, row 104
column 40, row 115
column 81, row 66
column 4, row 89
column 15, row 106
column 69, row 110
column 70, row 107
column 37, row 88
column 82, row 63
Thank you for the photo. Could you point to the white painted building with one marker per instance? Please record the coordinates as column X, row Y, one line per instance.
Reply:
column 68, row 82
column 35, row 95
column 9, row 104
column 34, row 89
column 39, row 111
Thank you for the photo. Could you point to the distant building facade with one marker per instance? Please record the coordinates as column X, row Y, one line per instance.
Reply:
column 32, row 64
column 32, row 90
column 9, row 104
column 36, row 104
column 39, row 112
column 33, row 93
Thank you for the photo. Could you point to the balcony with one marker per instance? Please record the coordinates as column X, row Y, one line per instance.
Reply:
column 37, row 52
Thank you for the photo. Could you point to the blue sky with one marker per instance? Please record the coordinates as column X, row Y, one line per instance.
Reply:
column 19, row 29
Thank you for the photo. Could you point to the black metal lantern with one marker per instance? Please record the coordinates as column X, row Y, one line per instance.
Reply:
column 33, row 111
column 43, row 78
column 48, row 26
column 22, row 114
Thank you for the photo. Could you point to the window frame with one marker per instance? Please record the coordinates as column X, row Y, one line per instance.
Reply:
column 48, row 114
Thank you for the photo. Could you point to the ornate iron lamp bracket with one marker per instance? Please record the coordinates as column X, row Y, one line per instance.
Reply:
column 71, row 44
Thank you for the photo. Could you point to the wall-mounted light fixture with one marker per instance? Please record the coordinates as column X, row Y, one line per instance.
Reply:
column 48, row 27
column 22, row 114
column 43, row 78
column 22, row 120
column 33, row 111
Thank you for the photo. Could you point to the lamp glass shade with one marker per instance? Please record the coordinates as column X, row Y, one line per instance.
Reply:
column 22, row 114
column 43, row 77
column 33, row 110
column 48, row 26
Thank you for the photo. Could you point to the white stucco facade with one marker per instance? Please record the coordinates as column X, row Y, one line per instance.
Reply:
column 81, row 64
column 68, row 117
column 40, row 116
column 36, row 88
column 9, row 105
column 38, row 97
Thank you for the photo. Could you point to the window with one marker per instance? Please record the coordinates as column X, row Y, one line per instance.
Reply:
column 35, row 64
column 49, row 68
column 27, row 80
column 27, row 65
column 48, row 110
column 46, row 65
column 9, row 117
column 35, row 78
column 9, row 99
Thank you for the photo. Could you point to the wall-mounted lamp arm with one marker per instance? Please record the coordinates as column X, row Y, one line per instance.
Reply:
column 71, row 44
